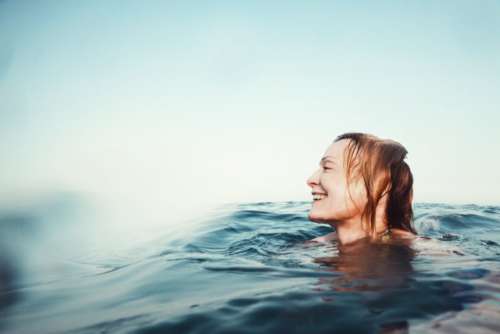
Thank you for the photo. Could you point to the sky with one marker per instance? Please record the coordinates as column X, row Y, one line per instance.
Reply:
column 155, row 109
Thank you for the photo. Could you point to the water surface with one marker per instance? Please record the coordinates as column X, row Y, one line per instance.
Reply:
column 249, row 268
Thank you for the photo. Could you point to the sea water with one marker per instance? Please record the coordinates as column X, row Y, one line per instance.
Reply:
column 250, row 268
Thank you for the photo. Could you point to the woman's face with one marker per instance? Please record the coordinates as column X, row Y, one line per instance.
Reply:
column 330, row 181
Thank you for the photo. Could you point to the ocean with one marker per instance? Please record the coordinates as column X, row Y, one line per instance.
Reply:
column 250, row 268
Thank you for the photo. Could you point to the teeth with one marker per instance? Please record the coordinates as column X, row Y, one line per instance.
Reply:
column 318, row 197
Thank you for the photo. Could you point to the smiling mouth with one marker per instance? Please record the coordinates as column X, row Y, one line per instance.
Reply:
column 318, row 197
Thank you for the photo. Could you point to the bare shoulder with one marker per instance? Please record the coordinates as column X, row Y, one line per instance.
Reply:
column 326, row 238
column 400, row 233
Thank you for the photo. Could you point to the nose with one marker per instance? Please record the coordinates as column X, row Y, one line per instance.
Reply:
column 313, row 180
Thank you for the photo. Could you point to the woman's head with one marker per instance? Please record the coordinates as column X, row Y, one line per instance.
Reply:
column 363, row 178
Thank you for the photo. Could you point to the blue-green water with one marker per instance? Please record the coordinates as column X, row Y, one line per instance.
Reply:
column 249, row 268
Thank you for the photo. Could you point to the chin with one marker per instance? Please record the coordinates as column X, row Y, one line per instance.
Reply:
column 317, row 218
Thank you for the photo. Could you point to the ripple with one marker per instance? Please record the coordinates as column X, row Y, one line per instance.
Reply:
column 252, row 269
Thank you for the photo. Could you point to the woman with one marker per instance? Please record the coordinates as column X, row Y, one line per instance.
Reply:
column 364, row 189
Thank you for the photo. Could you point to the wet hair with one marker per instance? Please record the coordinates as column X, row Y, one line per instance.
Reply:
column 380, row 163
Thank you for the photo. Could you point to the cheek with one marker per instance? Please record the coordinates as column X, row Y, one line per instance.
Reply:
column 348, row 204
column 358, row 193
column 336, row 189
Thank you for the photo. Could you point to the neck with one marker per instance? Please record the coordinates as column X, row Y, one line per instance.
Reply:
column 353, row 229
column 350, row 231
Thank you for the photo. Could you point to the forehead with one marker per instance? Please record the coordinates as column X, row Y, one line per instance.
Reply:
column 336, row 150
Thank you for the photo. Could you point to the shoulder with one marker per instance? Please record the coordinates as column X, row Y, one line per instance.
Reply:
column 400, row 233
column 326, row 238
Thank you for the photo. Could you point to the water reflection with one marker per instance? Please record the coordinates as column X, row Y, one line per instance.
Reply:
column 368, row 266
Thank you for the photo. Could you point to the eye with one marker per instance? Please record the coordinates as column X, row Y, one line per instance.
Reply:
column 326, row 168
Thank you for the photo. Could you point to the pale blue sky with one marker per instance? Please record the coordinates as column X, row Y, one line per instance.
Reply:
column 164, row 105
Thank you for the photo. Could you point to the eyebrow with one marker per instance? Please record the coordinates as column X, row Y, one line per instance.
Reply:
column 327, row 158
